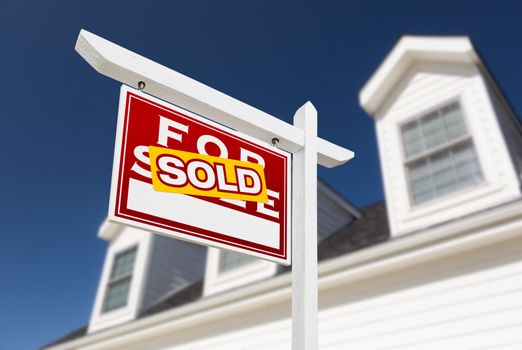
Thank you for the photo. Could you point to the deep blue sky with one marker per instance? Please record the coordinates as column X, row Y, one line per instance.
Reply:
column 58, row 115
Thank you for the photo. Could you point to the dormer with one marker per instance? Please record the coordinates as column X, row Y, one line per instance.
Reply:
column 227, row 270
column 140, row 270
column 449, row 143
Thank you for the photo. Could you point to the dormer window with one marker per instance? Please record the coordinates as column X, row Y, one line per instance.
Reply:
column 227, row 270
column 229, row 260
column 452, row 160
column 120, row 278
column 439, row 154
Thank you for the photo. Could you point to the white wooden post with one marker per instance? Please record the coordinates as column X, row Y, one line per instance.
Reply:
column 304, row 233
column 300, row 139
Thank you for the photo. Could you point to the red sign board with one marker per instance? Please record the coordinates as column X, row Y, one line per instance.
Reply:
column 181, row 175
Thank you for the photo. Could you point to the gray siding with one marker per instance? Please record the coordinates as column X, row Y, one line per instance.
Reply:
column 467, row 301
column 173, row 264
column 330, row 215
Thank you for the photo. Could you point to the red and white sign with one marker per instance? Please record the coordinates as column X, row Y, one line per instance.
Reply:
column 184, row 146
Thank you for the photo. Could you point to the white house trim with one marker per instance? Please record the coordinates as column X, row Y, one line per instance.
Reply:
column 130, row 68
column 420, row 74
column 409, row 50
column 127, row 238
column 478, row 230
column 216, row 281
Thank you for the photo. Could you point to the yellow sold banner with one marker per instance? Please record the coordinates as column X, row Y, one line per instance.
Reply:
column 202, row 175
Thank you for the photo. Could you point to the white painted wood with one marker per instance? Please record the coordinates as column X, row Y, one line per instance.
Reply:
column 511, row 127
column 130, row 68
column 304, row 233
column 420, row 74
column 219, row 282
column 126, row 238
column 162, row 266
column 469, row 299
column 408, row 50
column 485, row 230
column 423, row 87
column 454, row 285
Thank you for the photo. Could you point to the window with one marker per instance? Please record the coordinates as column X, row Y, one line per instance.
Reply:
column 230, row 260
column 119, row 281
column 227, row 270
column 439, row 152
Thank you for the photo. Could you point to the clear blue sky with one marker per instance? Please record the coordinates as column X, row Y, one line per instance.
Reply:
column 58, row 115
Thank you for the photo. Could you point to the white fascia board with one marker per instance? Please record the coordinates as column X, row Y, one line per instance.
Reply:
column 408, row 50
column 486, row 228
column 130, row 68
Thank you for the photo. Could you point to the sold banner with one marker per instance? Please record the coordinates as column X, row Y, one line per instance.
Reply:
column 181, row 175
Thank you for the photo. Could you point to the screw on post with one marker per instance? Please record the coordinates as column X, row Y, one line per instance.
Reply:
column 275, row 142
column 141, row 85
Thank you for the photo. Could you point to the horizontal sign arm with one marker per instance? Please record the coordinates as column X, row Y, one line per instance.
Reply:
column 130, row 68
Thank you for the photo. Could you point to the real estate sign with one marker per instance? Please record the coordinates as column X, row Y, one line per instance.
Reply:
column 184, row 176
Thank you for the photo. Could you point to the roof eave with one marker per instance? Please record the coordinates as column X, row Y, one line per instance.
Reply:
column 437, row 242
column 408, row 50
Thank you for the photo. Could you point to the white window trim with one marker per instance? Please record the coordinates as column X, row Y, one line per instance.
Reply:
column 216, row 281
column 466, row 138
column 101, row 320
column 128, row 275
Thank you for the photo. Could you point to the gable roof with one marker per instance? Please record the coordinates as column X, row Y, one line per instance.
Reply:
column 77, row 333
column 370, row 228
column 410, row 49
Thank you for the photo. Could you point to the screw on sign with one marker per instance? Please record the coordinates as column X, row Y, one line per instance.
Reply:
column 204, row 175
column 182, row 175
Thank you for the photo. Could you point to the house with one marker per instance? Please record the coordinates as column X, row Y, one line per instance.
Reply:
column 437, row 265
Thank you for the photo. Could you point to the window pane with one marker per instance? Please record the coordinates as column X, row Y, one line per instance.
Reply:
column 421, row 183
column 423, row 190
column 123, row 263
column 444, row 181
column 466, row 166
column 453, row 121
column 433, row 130
column 468, row 174
column 119, row 281
column 463, row 153
column 230, row 260
column 447, row 168
column 117, row 294
column 412, row 139
column 421, row 197
column 440, row 161
column 444, row 172
column 419, row 169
